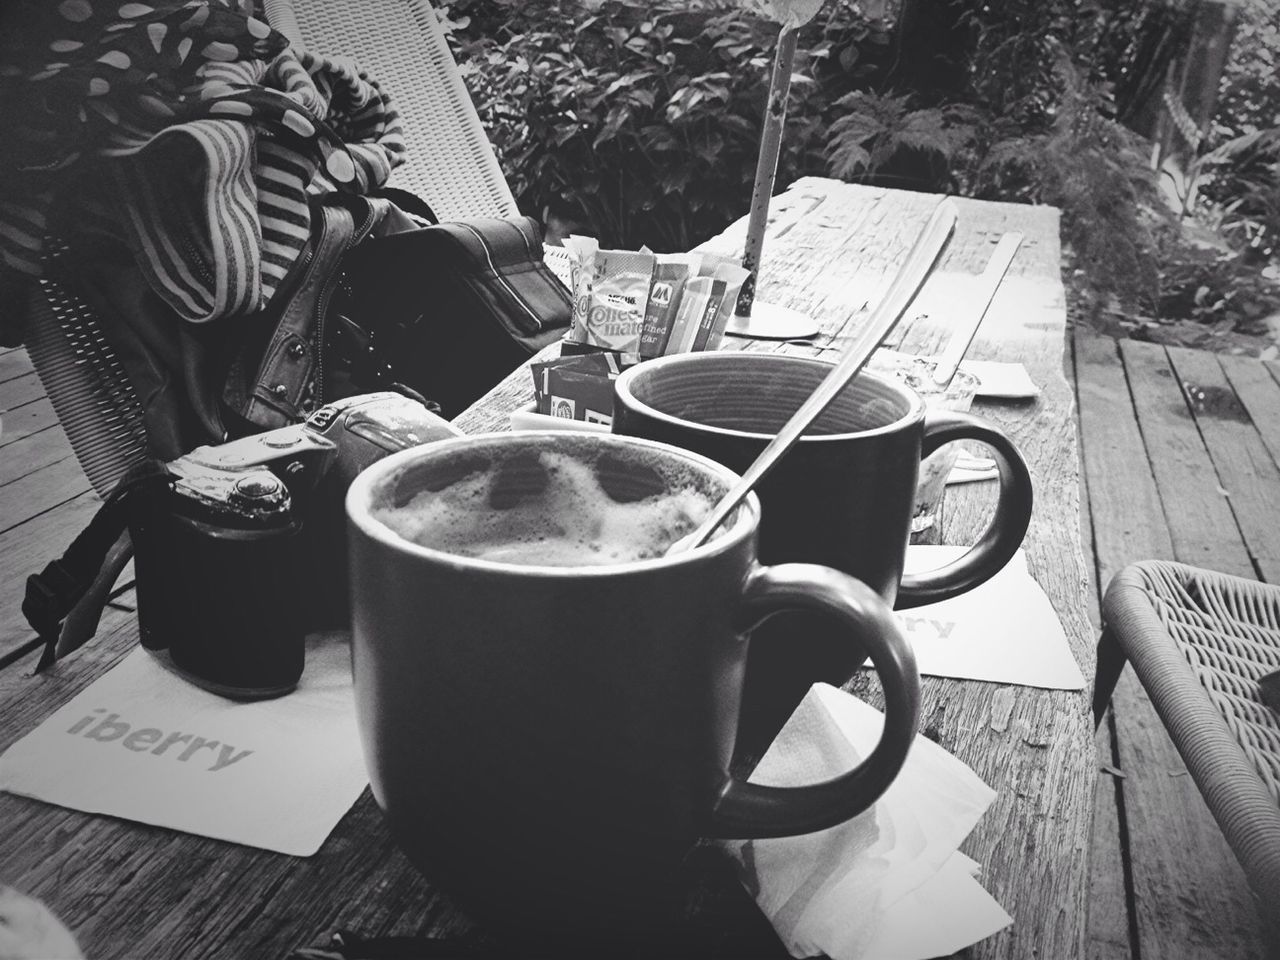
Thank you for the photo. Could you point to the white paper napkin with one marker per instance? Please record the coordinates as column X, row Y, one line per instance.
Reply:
column 1004, row 630
column 970, row 469
column 860, row 889
column 143, row 744
column 956, row 909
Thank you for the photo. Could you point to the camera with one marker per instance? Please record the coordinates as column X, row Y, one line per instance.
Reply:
column 242, row 550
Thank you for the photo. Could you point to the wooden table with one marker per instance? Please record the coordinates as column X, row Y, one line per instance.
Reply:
column 129, row 890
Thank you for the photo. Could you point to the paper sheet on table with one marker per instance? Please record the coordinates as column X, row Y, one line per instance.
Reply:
column 996, row 379
column 1004, row 631
column 1001, row 380
column 143, row 744
column 862, row 887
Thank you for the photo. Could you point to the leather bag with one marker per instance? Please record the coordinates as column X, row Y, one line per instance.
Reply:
column 447, row 310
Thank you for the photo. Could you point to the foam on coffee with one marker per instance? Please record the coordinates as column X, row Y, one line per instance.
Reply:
column 570, row 520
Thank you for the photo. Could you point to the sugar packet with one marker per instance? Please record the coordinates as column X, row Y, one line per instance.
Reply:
column 707, row 303
column 610, row 294
column 577, row 387
column 670, row 273
column 569, row 348
column 582, row 263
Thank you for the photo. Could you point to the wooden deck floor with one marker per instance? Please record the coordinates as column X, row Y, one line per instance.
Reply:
column 1194, row 480
column 1180, row 452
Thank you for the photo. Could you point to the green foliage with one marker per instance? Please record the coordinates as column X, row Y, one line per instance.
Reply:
column 1213, row 287
column 1034, row 118
column 1033, row 123
column 642, row 119
column 1240, row 175
column 874, row 131
column 1095, row 171
column 1017, row 47
column 1137, row 42
column 1249, row 94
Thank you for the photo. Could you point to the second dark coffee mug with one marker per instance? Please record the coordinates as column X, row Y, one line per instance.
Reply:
column 842, row 496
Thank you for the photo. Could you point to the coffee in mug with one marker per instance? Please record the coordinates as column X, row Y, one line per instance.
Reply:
column 548, row 699
column 564, row 518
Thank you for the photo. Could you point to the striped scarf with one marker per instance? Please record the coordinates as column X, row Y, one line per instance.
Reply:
column 189, row 131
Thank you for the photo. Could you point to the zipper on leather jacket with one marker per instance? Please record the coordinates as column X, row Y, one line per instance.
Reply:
column 326, row 293
column 488, row 253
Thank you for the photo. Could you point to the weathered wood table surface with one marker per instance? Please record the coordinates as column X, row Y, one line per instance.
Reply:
column 129, row 890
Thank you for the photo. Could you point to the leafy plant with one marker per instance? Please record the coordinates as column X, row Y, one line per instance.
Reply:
column 1018, row 46
column 641, row 119
column 1243, row 175
column 1034, row 123
column 1213, row 286
column 1096, row 171
column 1249, row 94
column 877, row 135
column 1240, row 175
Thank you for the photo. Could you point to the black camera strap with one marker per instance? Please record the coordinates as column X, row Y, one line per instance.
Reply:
column 64, row 601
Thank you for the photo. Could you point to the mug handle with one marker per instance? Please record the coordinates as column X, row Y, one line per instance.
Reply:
column 1004, row 533
column 750, row 810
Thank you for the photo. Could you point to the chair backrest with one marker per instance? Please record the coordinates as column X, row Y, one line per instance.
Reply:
column 449, row 163
column 401, row 45
column 85, row 383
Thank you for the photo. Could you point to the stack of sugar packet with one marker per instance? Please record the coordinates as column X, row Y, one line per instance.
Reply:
column 576, row 387
column 628, row 306
column 859, row 891
column 641, row 304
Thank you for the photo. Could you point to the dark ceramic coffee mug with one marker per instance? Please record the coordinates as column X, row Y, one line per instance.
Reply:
column 842, row 496
column 548, row 742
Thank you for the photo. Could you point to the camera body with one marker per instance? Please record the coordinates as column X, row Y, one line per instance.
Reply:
column 243, row 551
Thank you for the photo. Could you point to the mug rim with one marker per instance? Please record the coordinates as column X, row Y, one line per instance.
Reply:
column 626, row 396
column 357, row 505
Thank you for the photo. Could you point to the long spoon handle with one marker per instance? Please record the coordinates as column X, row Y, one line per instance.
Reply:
column 905, row 285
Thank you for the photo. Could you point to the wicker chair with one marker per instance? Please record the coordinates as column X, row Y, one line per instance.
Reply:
column 450, row 164
column 1199, row 642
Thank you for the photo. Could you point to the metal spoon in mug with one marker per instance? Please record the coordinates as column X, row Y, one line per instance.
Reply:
column 910, row 277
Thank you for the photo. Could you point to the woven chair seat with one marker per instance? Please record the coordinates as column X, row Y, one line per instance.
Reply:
column 1199, row 642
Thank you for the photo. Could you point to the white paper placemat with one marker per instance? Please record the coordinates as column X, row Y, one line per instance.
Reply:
column 1004, row 630
column 143, row 744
